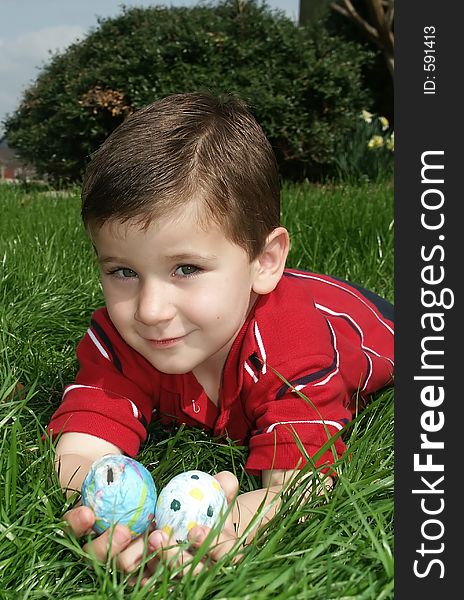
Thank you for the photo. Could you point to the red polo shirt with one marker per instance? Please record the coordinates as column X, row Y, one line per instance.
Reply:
column 326, row 338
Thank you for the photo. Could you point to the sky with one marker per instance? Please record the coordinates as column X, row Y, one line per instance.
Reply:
column 31, row 29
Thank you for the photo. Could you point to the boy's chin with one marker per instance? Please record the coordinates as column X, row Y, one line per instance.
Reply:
column 172, row 367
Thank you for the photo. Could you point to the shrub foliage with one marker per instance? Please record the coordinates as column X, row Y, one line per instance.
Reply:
column 303, row 84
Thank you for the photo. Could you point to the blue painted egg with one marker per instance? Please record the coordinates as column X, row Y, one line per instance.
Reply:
column 120, row 490
column 189, row 499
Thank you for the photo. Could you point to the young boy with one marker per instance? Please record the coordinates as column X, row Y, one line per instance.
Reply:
column 182, row 205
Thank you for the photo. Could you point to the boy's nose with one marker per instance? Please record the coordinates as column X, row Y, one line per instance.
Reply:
column 154, row 304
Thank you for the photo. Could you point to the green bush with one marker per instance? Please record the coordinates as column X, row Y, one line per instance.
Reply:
column 303, row 84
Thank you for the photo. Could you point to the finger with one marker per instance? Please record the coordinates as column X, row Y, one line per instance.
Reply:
column 222, row 545
column 229, row 484
column 170, row 553
column 109, row 544
column 132, row 556
column 80, row 520
column 140, row 579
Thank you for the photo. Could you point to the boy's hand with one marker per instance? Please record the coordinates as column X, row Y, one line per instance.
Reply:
column 169, row 553
column 129, row 552
column 81, row 519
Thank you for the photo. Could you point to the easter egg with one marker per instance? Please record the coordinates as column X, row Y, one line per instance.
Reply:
column 120, row 490
column 189, row 499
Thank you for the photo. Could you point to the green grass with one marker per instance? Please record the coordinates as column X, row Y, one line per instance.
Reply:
column 323, row 548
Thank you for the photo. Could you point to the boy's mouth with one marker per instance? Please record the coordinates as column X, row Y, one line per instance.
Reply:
column 165, row 342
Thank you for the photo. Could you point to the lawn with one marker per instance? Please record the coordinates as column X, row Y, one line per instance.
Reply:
column 338, row 546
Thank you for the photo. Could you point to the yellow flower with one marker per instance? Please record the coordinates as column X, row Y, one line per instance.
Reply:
column 384, row 122
column 390, row 143
column 367, row 116
column 376, row 141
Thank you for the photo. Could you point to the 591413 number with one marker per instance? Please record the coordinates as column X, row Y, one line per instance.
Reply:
column 429, row 59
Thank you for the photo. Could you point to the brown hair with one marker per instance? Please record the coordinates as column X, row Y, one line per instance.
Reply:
column 182, row 147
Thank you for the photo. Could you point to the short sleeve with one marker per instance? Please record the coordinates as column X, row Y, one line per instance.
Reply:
column 113, row 394
column 289, row 426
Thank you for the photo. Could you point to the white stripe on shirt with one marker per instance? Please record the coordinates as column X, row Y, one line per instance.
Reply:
column 261, row 347
column 307, row 276
column 249, row 370
column 94, row 339
column 74, row 386
column 333, row 423
column 361, row 334
column 329, row 377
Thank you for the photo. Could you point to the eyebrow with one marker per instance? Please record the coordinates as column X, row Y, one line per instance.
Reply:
column 191, row 257
column 111, row 259
column 182, row 257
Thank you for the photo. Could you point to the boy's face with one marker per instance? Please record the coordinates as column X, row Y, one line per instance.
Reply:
column 177, row 293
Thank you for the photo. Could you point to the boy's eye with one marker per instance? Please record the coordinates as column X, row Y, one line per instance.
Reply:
column 123, row 273
column 186, row 271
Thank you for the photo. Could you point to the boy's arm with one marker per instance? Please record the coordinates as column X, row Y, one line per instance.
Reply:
column 247, row 505
column 75, row 453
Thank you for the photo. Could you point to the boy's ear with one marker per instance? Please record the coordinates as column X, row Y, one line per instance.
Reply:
column 270, row 263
